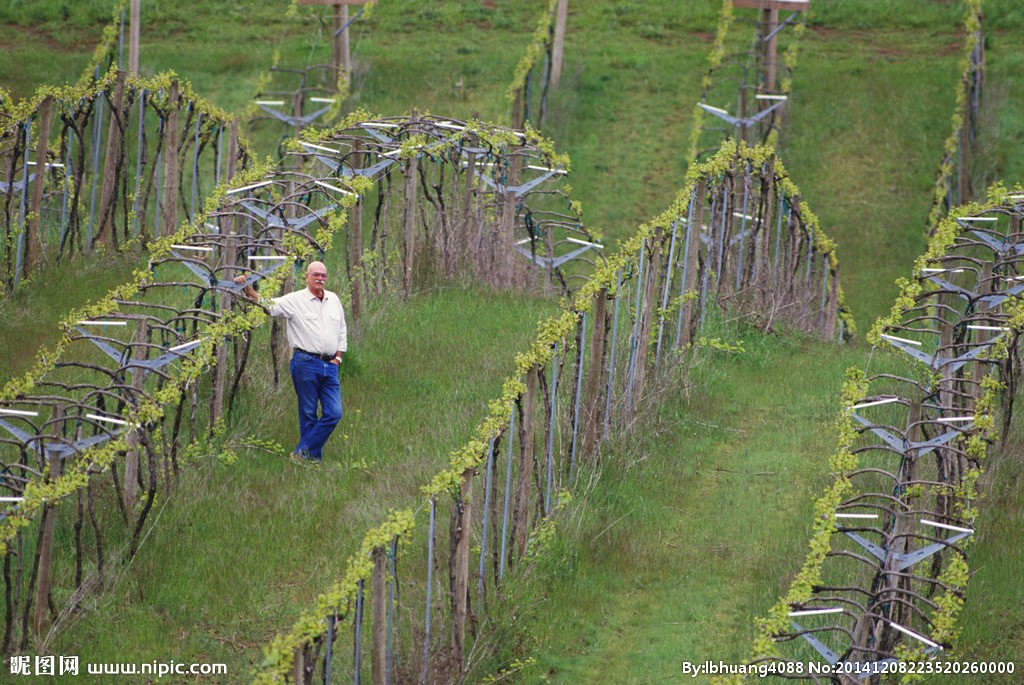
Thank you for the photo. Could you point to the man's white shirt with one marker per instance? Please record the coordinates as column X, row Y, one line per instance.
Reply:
column 314, row 325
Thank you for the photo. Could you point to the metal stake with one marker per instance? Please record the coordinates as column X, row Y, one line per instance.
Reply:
column 508, row 488
column 551, row 431
column 484, row 526
column 576, row 404
column 430, row 583
column 611, row 356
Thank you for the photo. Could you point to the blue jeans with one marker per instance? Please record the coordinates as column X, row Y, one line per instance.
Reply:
column 315, row 381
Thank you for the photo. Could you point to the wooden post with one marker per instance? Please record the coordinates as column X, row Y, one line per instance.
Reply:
column 504, row 254
column 769, row 22
column 558, row 48
column 341, row 60
column 650, row 297
column 226, row 298
column 134, row 31
column 763, row 239
column 42, row 599
column 380, row 618
column 280, row 352
column 964, row 162
column 33, row 236
column 460, row 564
column 280, row 349
column 299, row 667
column 828, row 329
column 978, row 367
column 741, row 128
column 946, row 458
column 170, row 210
column 106, row 233
column 345, row 56
column 232, row 150
column 297, row 111
column 411, row 173
column 517, row 110
column 946, row 349
column 465, row 245
column 726, row 282
column 527, row 428
column 595, row 374
column 692, row 262
column 355, row 245
column 900, row 542
column 131, row 464
column 794, row 238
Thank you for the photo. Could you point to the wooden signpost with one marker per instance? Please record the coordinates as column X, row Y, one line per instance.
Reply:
column 769, row 24
column 133, row 39
column 342, row 58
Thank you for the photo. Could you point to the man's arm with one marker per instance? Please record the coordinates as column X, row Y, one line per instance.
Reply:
column 248, row 290
column 273, row 306
column 342, row 337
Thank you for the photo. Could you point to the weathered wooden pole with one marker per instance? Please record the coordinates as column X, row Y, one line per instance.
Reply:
column 466, row 245
column 558, row 48
column 299, row 667
column 504, row 254
column 828, row 329
column 409, row 231
column 595, row 375
column 134, row 31
column 344, row 57
column 769, row 22
column 225, row 300
column 33, row 236
column 297, row 101
column 355, row 245
column 964, row 165
column 341, row 58
column 460, row 569
column 131, row 464
column 521, row 513
column 650, row 297
column 232, row 150
column 378, row 652
column 691, row 263
column 170, row 209
column 42, row 601
column 108, row 195
column 977, row 367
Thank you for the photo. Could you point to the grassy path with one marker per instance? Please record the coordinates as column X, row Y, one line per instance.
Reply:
column 30, row 315
column 241, row 548
column 992, row 625
column 672, row 556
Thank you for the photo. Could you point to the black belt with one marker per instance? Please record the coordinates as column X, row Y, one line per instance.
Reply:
column 321, row 357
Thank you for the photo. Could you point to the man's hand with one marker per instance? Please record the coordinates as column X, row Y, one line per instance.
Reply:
column 248, row 290
column 337, row 359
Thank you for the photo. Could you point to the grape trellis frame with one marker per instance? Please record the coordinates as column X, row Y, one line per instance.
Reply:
column 893, row 575
column 153, row 368
column 588, row 373
column 107, row 164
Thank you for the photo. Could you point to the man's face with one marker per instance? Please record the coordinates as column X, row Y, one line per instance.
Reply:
column 316, row 277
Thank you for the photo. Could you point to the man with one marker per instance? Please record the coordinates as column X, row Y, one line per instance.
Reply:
column 318, row 338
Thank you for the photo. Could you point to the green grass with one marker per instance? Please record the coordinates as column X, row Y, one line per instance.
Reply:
column 697, row 518
column 31, row 314
column 688, row 557
column 992, row 625
column 865, row 152
column 240, row 549
column 666, row 558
